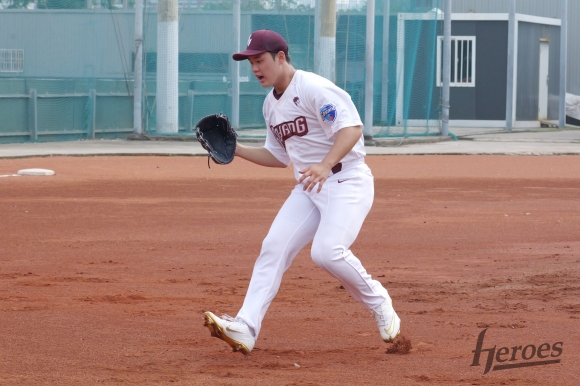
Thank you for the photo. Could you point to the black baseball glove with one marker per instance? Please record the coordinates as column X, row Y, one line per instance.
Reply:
column 217, row 136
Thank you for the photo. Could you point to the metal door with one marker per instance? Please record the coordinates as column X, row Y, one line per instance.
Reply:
column 544, row 77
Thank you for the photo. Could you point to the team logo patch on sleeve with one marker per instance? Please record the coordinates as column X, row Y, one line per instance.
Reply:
column 328, row 112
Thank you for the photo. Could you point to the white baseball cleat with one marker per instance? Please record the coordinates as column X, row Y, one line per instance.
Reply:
column 234, row 333
column 387, row 320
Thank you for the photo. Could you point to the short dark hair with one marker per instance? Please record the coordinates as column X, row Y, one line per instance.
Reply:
column 276, row 53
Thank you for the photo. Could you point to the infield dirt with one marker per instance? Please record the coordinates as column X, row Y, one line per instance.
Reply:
column 107, row 267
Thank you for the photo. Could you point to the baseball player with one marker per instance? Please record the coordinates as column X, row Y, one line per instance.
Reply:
column 314, row 125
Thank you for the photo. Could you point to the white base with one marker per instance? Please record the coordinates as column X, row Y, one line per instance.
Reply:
column 36, row 172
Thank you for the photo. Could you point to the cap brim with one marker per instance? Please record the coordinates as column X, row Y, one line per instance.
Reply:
column 245, row 54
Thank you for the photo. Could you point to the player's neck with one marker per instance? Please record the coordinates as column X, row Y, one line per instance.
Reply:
column 284, row 79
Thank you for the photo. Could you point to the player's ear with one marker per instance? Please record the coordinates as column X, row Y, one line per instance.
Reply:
column 281, row 56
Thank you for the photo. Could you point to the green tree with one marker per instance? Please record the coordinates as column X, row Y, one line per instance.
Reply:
column 62, row 4
column 228, row 5
column 292, row 5
column 108, row 4
column 18, row 4
column 253, row 5
column 218, row 5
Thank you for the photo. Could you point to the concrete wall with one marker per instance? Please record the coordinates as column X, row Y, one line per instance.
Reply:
column 100, row 44
column 72, row 44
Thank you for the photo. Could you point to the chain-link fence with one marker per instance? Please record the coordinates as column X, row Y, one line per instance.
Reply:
column 67, row 66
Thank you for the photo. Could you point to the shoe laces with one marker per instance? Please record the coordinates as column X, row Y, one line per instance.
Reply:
column 230, row 319
column 380, row 314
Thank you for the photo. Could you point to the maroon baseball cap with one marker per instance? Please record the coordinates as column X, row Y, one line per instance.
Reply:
column 262, row 41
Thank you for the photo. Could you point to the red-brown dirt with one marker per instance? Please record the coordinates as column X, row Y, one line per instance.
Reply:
column 107, row 267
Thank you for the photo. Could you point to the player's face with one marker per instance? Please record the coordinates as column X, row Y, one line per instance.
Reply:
column 265, row 69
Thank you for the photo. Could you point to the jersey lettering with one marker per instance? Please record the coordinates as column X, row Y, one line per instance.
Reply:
column 285, row 130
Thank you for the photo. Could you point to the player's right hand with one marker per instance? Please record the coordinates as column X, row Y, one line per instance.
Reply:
column 312, row 175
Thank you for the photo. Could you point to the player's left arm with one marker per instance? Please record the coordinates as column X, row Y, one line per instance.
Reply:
column 345, row 140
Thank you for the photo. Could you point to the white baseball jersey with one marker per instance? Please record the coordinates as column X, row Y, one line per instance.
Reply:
column 303, row 123
column 302, row 126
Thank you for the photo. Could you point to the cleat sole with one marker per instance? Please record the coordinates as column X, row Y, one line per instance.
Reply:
column 394, row 337
column 217, row 332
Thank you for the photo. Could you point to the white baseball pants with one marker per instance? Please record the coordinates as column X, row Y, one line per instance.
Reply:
column 332, row 218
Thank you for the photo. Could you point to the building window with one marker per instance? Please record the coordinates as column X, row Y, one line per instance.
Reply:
column 462, row 61
column 11, row 60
